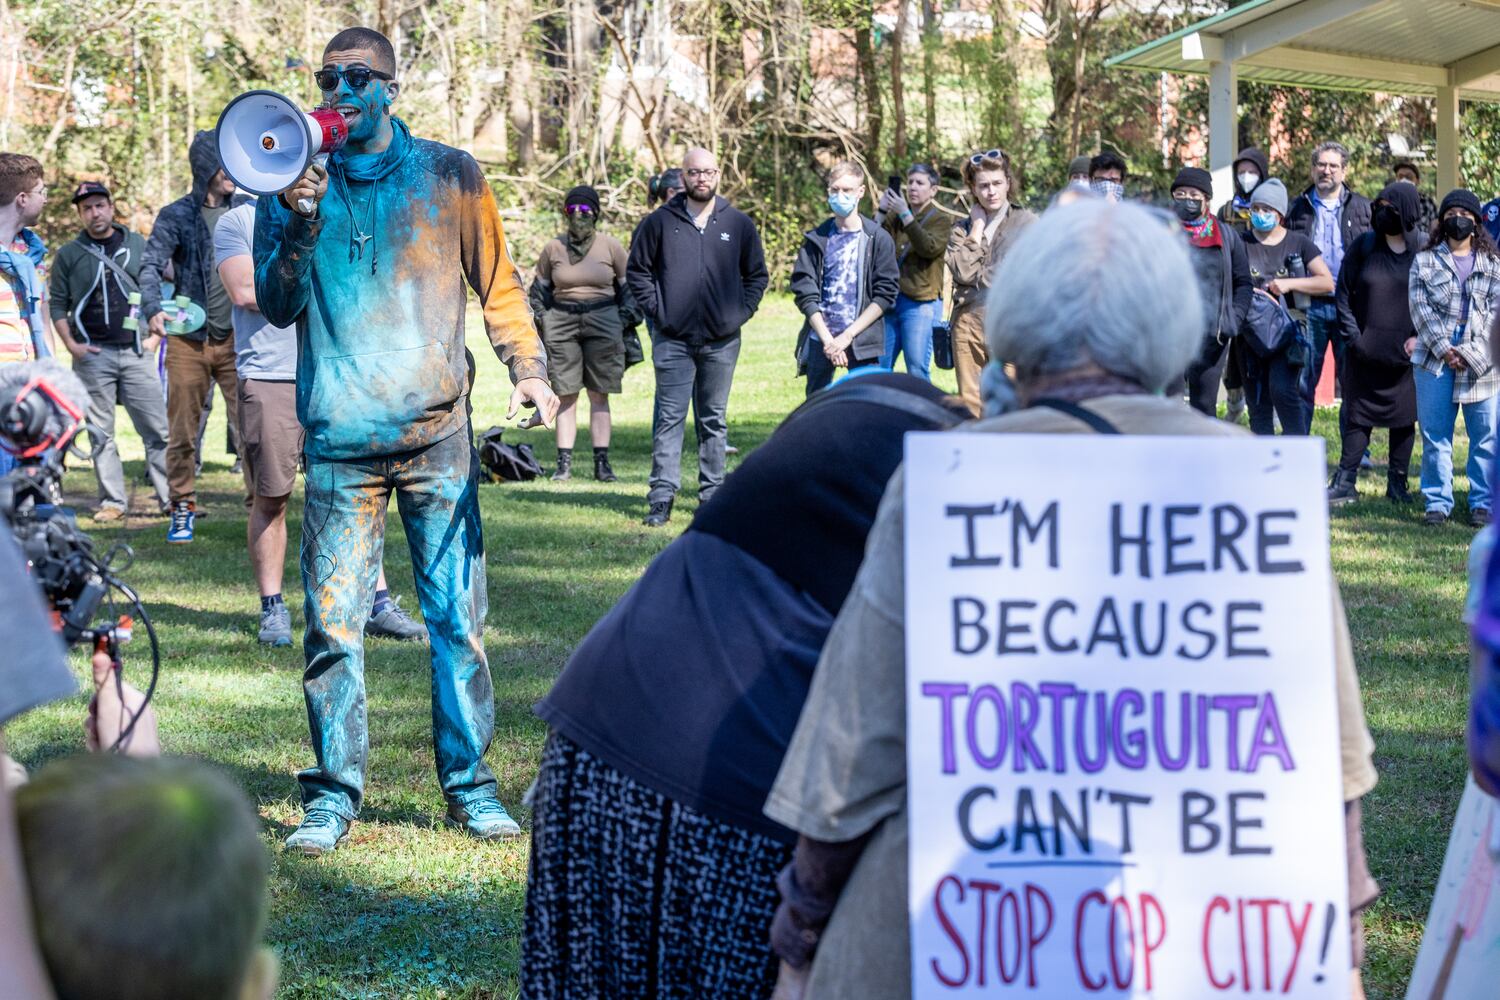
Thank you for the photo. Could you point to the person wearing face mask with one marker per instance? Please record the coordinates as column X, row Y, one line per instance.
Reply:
column 1281, row 263
column 1407, row 171
column 976, row 246
column 1224, row 287
column 580, row 295
column 920, row 231
column 1376, row 327
column 1454, row 285
column 845, row 280
column 1107, row 173
column 1250, row 168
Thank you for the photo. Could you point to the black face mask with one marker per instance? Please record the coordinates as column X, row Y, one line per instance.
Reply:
column 1458, row 227
column 1387, row 221
column 1188, row 209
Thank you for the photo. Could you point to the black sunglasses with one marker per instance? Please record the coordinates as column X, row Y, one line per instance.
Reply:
column 358, row 77
column 989, row 154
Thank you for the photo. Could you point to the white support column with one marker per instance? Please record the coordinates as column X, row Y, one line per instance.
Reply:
column 1223, row 127
column 1447, row 140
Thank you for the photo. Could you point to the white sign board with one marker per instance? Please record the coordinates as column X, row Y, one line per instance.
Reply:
column 1122, row 724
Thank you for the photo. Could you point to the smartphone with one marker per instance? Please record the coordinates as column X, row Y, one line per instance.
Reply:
column 893, row 183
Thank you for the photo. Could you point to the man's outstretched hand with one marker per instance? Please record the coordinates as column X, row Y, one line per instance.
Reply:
column 540, row 394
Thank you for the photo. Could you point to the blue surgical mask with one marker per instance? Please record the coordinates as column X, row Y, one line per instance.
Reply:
column 1263, row 222
column 842, row 204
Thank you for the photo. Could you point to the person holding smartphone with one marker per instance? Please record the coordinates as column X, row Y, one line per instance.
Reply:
column 919, row 227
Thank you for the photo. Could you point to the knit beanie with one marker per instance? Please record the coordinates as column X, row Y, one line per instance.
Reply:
column 1272, row 194
column 1079, row 165
column 1196, row 178
column 583, row 195
column 1461, row 198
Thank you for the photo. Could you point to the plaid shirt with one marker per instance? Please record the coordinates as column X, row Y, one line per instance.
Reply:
column 1437, row 303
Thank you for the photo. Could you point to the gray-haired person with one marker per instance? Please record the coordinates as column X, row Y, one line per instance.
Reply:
column 1108, row 333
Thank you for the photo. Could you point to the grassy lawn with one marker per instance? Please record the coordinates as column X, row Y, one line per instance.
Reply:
column 410, row 909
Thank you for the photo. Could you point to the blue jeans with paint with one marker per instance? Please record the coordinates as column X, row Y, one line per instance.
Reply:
column 908, row 332
column 1437, row 414
column 343, row 528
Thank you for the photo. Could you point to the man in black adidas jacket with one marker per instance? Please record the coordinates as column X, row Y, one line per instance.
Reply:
column 697, row 270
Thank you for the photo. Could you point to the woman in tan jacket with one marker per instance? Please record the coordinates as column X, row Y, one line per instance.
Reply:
column 975, row 248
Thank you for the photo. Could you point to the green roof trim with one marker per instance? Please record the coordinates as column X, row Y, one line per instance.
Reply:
column 1181, row 33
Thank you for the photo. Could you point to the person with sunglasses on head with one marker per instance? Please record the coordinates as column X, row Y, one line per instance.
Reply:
column 697, row 271
column 1453, row 289
column 583, row 306
column 976, row 246
column 1224, row 285
column 919, row 228
column 370, row 257
column 844, row 282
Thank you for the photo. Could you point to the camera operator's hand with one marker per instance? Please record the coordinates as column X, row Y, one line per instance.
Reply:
column 115, row 702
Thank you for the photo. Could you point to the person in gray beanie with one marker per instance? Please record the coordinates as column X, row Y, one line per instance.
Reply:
column 1218, row 256
column 1286, row 268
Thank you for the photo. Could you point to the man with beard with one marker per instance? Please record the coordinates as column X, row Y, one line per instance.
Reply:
column 697, row 270
column 361, row 257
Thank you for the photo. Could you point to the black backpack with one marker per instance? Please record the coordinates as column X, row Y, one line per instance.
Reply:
column 511, row 463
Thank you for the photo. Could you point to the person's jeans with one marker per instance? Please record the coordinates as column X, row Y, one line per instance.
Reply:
column 118, row 376
column 193, row 366
column 343, row 534
column 1323, row 330
column 1437, row 414
column 908, row 334
column 700, row 374
column 1273, row 389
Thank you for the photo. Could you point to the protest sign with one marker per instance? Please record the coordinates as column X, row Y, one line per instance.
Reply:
column 1122, row 725
column 1461, row 945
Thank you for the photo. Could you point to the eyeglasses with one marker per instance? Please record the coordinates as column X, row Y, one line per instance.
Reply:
column 702, row 172
column 358, row 77
column 585, row 210
column 989, row 154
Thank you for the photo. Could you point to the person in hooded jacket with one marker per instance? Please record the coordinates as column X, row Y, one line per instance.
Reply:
column 1407, row 171
column 1379, row 338
column 844, row 281
column 1250, row 169
column 1224, row 285
column 584, row 309
column 183, row 239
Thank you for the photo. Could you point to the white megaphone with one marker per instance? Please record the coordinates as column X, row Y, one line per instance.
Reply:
column 266, row 142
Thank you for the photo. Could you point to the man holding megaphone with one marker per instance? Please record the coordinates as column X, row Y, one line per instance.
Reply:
column 369, row 257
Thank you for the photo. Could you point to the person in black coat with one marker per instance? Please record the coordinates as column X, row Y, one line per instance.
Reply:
column 844, row 282
column 1375, row 324
column 1223, row 271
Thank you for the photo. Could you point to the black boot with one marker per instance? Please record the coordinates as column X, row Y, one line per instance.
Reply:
column 660, row 514
column 564, row 465
column 602, row 471
column 1395, row 487
column 1344, row 488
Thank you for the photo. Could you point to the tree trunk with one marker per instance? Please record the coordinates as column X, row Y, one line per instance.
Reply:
column 869, row 92
column 898, row 93
column 930, row 43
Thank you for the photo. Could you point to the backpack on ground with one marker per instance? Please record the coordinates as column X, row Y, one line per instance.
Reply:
column 509, row 463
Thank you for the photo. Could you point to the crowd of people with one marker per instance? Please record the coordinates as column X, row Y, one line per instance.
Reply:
column 743, row 834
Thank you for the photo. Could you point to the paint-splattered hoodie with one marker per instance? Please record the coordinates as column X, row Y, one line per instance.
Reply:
column 381, row 364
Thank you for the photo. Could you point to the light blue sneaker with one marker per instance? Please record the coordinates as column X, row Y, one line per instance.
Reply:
column 321, row 831
column 276, row 626
column 485, row 819
column 180, row 530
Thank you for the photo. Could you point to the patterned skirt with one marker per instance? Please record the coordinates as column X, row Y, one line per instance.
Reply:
column 634, row 897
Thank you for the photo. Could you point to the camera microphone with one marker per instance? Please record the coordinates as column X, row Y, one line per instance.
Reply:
column 42, row 406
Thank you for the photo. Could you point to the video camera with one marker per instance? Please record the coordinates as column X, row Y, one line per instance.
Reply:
column 41, row 412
